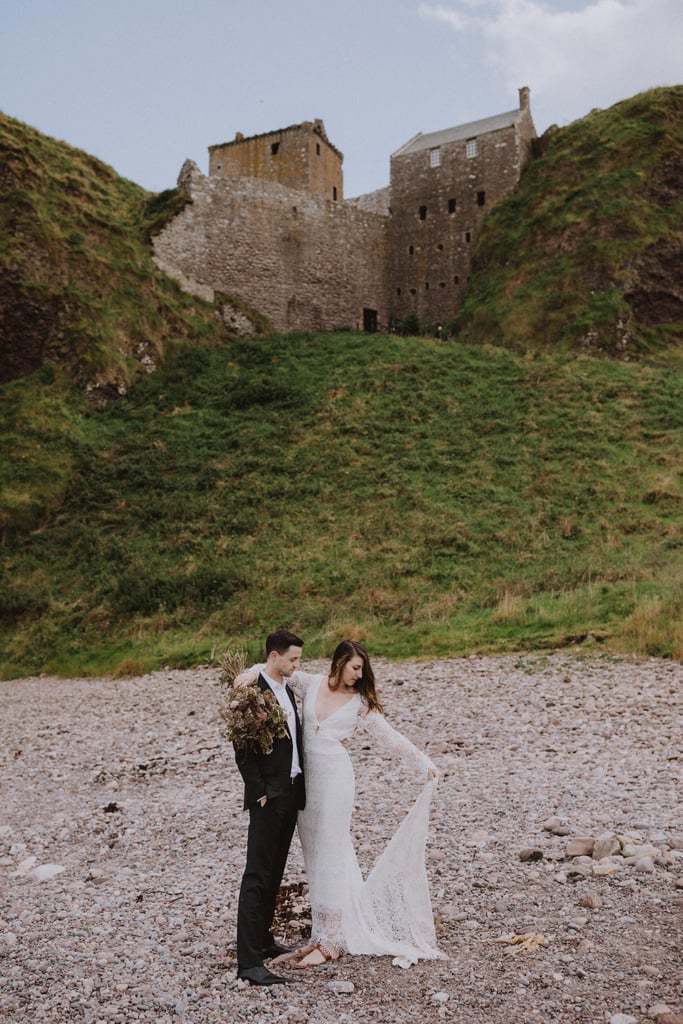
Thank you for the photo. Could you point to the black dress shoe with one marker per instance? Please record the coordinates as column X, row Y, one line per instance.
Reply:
column 276, row 949
column 260, row 975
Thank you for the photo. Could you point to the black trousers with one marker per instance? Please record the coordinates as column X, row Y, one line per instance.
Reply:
column 270, row 834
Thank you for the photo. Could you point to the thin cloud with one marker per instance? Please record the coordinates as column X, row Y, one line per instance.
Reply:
column 573, row 60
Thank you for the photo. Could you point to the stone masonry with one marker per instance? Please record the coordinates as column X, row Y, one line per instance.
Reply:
column 268, row 224
column 442, row 186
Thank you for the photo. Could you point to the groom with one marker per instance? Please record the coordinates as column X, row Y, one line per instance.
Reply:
column 273, row 793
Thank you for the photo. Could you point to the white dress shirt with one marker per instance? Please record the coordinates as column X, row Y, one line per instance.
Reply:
column 285, row 703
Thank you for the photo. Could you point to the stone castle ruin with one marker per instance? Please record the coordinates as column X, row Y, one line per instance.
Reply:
column 269, row 224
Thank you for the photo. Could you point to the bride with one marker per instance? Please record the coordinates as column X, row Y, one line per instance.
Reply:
column 389, row 913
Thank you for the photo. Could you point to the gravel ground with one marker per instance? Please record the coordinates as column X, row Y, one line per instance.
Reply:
column 122, row 844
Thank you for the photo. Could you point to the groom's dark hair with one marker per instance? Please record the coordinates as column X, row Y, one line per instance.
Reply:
column 281, row 640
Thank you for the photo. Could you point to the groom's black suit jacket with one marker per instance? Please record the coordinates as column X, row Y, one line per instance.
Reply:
column 269, row 775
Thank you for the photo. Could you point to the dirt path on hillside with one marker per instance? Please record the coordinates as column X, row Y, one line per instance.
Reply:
column 122, row 843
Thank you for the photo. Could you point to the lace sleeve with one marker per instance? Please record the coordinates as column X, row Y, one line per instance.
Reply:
column 388, row 739
column 250, row 675
column 300, row 681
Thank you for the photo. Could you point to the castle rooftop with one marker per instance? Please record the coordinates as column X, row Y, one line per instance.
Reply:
column 471, row 130
column 431, row 140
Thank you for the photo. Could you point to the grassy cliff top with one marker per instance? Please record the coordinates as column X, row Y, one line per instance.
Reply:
column 586, row 254
column 78, row 286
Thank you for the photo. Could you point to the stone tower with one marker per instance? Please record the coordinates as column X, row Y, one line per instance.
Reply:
column 442, row 186
column 300, row 157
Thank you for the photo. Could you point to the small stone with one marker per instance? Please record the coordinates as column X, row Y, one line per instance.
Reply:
column 557, row 826
column 530, row 853
column 606, row 845
column 622, row 1018
column 646, row 850
column 26, row 865
column 45, row 872
column 645, row 865
column 593, row 901
column 580, row 846
column 440, row 997
column 658, row 1010
column 605, row 867
column 342, row 988
column 551, row 823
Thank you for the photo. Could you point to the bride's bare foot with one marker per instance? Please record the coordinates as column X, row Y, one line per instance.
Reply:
column 301, row 951
column 318, row 956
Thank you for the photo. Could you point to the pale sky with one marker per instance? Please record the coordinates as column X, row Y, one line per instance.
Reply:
column 144, row 84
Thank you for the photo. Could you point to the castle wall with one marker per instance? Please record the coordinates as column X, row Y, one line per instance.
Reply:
column 304, row 262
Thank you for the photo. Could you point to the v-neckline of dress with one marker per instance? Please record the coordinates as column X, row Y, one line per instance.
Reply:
column 320, row 722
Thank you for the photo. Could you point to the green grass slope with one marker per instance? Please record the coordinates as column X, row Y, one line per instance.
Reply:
column 586, row 254
column 78, row 286
column 429, row 498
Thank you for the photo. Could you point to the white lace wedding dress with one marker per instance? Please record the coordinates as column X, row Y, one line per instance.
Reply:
column 388, row 913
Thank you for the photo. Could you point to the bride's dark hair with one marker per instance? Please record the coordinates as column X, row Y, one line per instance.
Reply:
column 365, row 686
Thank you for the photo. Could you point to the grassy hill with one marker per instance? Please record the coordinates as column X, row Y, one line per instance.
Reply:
column 428, row 497
column 587, row 253
column 431, row 498
column 79, row 289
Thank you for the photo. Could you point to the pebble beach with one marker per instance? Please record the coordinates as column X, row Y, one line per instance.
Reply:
column 555, row 857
